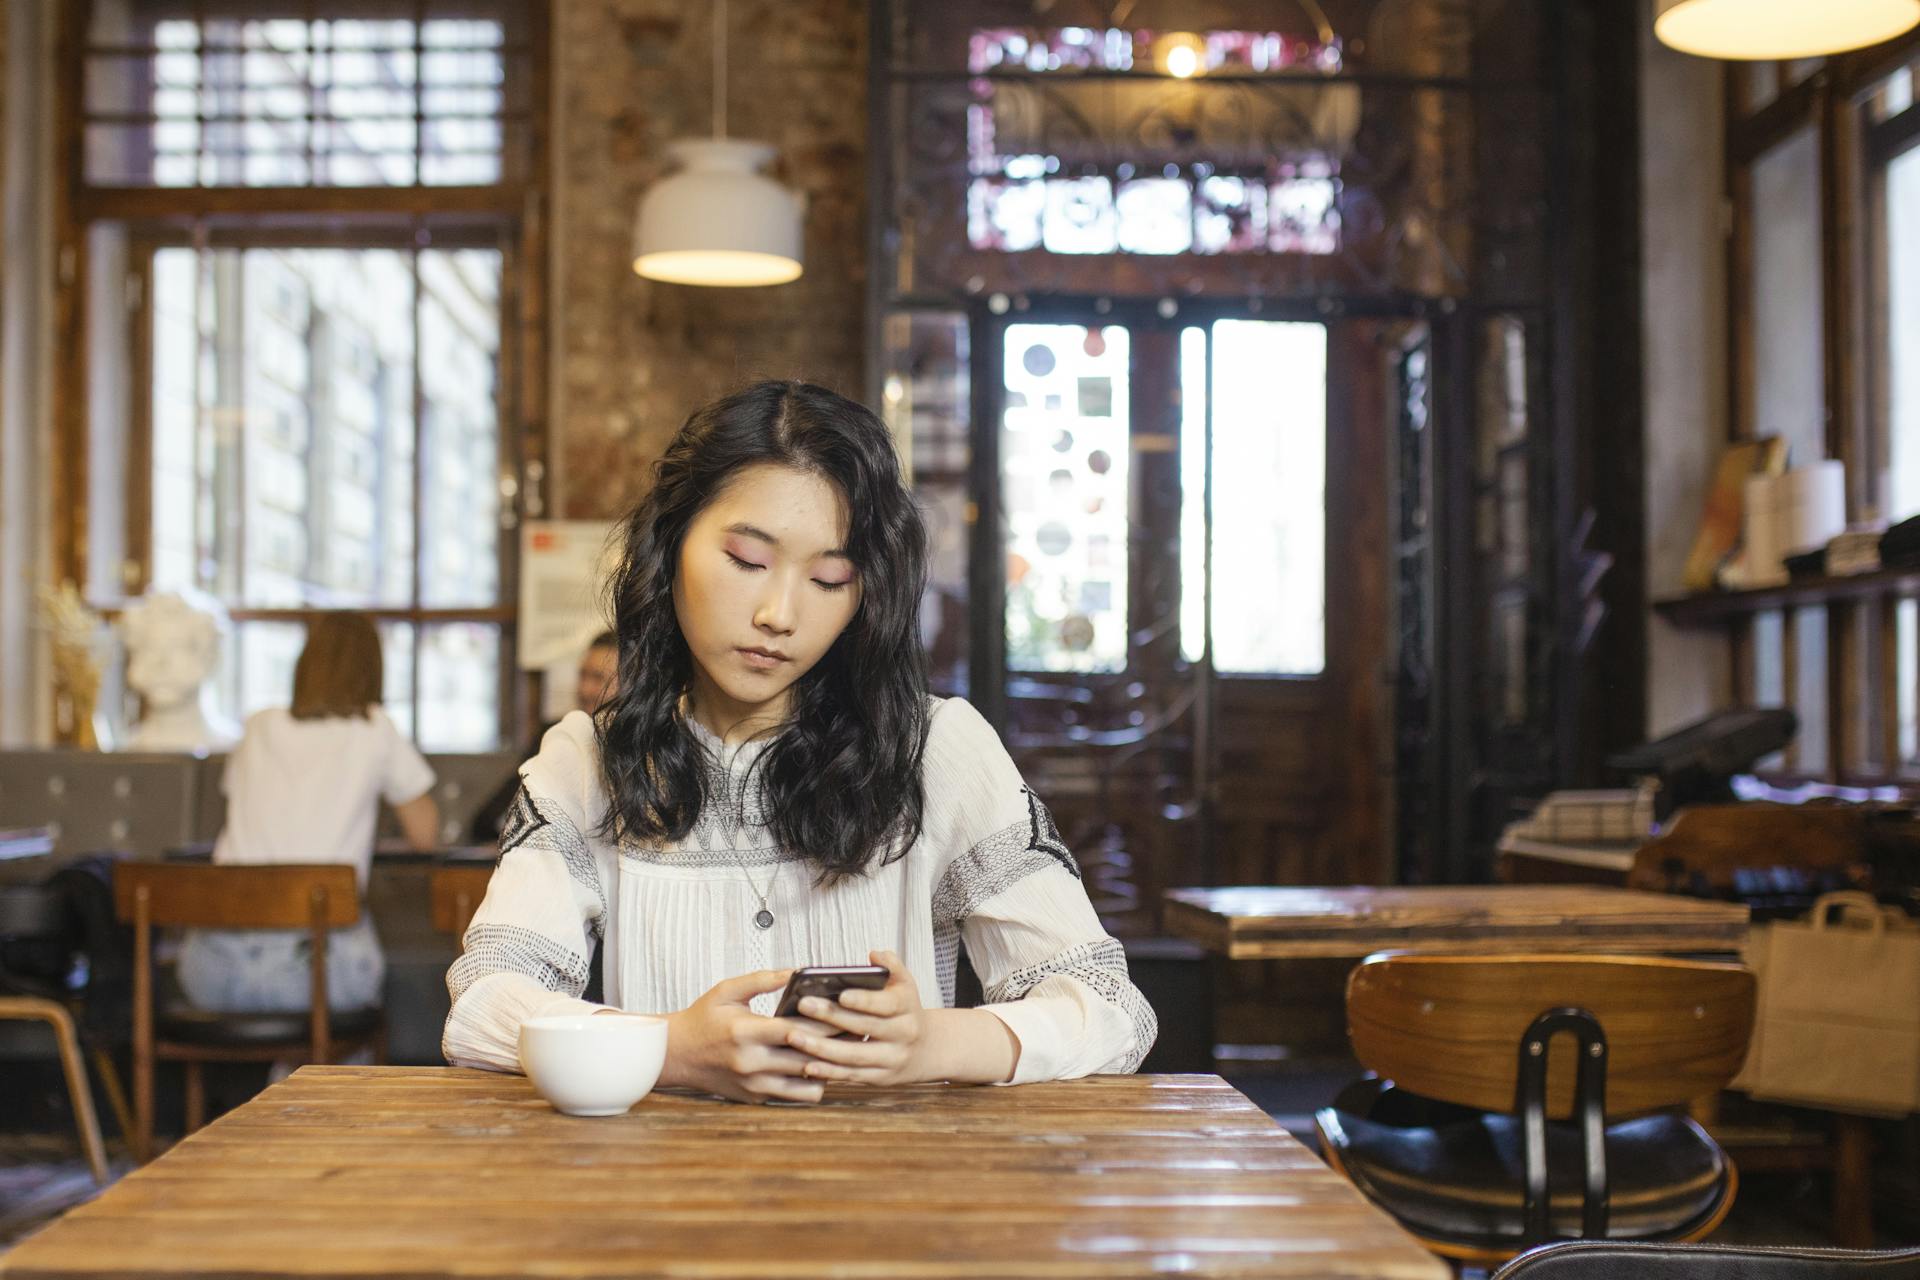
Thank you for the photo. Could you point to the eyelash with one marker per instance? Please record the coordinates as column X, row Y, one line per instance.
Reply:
column 751, row 567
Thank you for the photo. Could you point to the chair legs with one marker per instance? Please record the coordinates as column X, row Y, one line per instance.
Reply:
column 195, row 1116
column 1852, row 1182
column 116, row 1093
column 75, row 1068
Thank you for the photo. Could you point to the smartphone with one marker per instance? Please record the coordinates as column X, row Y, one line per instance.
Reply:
column 827, row 981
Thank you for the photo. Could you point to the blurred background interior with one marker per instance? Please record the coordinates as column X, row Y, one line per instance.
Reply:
column 1345, row 427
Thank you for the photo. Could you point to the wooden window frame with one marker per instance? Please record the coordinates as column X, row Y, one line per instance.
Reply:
column 511, row 215
column 1857, row 652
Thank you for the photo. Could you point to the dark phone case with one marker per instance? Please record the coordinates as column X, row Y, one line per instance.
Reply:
column 812, row 982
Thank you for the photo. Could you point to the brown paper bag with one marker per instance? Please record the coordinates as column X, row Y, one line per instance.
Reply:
column 1838, row 1017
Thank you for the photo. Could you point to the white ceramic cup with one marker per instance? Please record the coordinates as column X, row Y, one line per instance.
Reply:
column 593, row 1064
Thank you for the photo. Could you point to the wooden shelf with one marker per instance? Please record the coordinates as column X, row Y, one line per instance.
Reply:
column 1710, row 607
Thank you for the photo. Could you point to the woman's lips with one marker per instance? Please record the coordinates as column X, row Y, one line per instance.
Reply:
column 761, row 659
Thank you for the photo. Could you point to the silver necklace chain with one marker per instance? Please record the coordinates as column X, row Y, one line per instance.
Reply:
column 764, row 917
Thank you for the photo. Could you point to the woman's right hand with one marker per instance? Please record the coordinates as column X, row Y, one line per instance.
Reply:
column 719, row 1045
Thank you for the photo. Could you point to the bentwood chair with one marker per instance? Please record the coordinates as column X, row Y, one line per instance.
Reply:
column 456, row 893
column 1594, row 1260
column 34, row 912
column 200, row 896
column 1530, row 1098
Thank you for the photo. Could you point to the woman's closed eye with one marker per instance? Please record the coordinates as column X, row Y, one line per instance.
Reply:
column 754, row 566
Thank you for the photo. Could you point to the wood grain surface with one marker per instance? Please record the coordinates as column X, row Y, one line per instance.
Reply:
column 1450, row 1027
column 1259, row 923
column 424, row 1172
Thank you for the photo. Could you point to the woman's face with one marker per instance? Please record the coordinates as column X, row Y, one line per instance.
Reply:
column 764, row 588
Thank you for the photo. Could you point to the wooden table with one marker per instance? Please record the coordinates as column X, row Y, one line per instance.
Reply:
column 419, row 1172
column 1257, row 923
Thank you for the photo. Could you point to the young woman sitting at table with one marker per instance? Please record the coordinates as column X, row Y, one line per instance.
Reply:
column 305, row 785
column 772, row 787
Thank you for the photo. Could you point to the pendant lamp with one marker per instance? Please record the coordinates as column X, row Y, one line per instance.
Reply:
column 1770, row 30
column 718, row 220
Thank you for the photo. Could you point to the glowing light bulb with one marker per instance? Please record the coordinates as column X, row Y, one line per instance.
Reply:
column 1182, row 55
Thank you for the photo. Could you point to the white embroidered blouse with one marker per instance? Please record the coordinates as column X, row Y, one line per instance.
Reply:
column 674, row 919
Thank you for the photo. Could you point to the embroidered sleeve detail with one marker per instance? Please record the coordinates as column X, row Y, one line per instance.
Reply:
column 1044, row 834
column 528, row 826
column 985, row 871
column 522, row 819
column 1101, row 967
column 494, row 948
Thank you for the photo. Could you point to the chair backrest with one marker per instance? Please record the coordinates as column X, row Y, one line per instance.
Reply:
column 1450, row 1027
column 456, row 893
column 1614, row 1260
column 202, row 895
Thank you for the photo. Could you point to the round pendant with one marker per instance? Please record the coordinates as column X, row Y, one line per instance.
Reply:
column 763, row 918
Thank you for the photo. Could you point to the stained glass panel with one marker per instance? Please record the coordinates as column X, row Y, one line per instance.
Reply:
column 1075, row 166
column 1156, row 216
column 1080, row 217
column 1064, row 465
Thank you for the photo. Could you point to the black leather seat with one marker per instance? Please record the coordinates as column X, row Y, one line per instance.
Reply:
column 1596, row 1260
column 1459, row 1180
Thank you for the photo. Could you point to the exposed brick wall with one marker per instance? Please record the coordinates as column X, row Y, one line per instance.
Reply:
column 635, row 356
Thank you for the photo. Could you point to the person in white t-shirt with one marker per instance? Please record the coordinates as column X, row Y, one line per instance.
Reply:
column 305, row 785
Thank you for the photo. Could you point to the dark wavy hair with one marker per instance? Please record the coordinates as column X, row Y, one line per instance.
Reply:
column 840, row 782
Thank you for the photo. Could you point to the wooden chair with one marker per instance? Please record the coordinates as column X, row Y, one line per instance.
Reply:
column 1593, row 1260
column 1477, row 1082
column 32, row 911
column 456, row 894
column 201, row 896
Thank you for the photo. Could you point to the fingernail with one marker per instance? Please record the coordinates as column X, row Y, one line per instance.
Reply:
column 813, row 1004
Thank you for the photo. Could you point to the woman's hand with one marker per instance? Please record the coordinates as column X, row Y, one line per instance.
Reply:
column 885, row 1032
column 719, row 1045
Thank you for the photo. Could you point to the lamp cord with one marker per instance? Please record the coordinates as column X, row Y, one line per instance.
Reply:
column 719, row 68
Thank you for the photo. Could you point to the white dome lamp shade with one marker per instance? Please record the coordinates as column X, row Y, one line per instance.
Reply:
column 1774, row 30
column 718, row 220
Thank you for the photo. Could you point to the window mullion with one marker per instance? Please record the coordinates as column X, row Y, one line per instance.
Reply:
column 419, row 485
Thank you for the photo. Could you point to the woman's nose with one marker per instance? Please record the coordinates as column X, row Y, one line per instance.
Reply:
column 776, row 609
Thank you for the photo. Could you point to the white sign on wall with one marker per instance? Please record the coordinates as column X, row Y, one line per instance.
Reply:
column 564, row 565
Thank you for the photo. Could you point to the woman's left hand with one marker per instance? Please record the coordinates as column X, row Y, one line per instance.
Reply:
column 885, row 1031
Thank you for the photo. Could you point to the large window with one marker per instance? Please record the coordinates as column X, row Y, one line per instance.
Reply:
column 318, row 212
column 1825, row 279
column 1894, row 187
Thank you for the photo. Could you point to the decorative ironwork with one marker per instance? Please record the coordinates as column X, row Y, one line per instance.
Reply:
column 1365, row 153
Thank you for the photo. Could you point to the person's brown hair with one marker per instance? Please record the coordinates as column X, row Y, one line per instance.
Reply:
column 339, row 671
